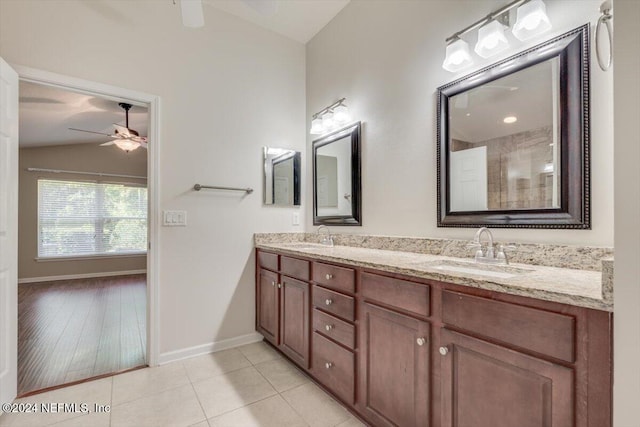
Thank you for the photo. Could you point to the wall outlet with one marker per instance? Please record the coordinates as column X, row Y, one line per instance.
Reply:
column 295, row 218
column 174, row 218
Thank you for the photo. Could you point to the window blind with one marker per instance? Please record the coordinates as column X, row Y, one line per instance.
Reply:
column 90, row 218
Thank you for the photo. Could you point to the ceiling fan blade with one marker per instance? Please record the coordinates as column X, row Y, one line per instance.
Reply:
column 263, row 7
column 90, row 131
column 107, row 143
column 143, row 144
column 121, row 131
column 192, row 15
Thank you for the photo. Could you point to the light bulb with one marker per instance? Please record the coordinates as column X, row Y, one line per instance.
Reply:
column 341, row 114
column 126, row 144
column 457, row 56
column 491, row 39
column 316, row 126
column 531, row 20
column 327, row 120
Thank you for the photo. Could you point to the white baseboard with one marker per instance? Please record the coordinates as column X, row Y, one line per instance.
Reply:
column 80, row 276
column 186, row 353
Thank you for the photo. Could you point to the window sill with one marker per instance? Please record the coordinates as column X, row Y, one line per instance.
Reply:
column 90, row 257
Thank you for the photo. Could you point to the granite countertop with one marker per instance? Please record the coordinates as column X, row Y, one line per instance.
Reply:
column 584, row 288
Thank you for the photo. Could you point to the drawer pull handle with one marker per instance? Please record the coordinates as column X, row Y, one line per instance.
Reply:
column 328, row 365
column 273, row 283
column 329, row 276
column 421, row 341
column 279, row 285
column 328, row 301
column 328, row 327
column 444, row 351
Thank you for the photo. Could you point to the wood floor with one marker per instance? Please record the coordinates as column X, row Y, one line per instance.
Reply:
column 76, row 329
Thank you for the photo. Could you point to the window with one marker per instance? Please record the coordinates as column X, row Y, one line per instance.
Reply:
column 90, row 218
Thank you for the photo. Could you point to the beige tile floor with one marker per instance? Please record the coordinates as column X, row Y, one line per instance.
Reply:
column 246, row 386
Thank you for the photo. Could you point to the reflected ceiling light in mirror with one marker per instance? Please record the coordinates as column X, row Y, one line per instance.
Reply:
column 491, row 39
column 510, row 119
column 329, row 118
column 457, row 56
column 532, row 20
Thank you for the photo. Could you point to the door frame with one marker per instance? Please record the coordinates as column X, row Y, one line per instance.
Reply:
column 134, row 97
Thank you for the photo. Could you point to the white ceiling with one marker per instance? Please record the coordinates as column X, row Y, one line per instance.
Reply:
column 46, row 114
column 299, row 20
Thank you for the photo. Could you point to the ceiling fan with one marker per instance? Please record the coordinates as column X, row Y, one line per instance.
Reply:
column 123, row 137
column 192, row 15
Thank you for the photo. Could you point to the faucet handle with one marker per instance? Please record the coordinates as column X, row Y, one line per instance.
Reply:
column 502, row 255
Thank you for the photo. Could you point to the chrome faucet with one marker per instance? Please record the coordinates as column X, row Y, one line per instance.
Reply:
column 489, row 255
column 327, row 239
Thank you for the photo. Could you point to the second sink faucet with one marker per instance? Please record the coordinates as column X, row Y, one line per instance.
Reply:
column 326, row 239
column 490, row 256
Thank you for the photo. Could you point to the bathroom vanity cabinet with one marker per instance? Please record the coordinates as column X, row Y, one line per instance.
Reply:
column 406, row 351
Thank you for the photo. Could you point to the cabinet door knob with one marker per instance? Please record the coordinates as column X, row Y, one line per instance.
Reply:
column 329, row 276
column 328, row 327
column 444, row 351
column 273, row 283
column 421, row 341
column 328, row 301
column 279, row 285
column 328, row 365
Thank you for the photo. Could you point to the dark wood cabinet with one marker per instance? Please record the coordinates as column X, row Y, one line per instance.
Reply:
column 404, row 351
column 267, row 307
column 394, row 368
column 294, row 320
column 484, row 384
column 283, row 305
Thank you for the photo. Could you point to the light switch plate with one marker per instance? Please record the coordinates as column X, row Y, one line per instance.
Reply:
column 295, row 218
column 174, row 218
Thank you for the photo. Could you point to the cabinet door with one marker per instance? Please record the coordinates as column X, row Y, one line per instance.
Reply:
column 394, row 368
column 294, row 320
column 268, row 305
column 485, row 385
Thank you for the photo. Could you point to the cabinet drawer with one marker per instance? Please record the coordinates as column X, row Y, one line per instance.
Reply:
column 294, row 267
column 339, row 304
column 402, row 294
column 332, row 276
column 268, row 260
column 334, row 328
column 334, row 367
column 540, row 331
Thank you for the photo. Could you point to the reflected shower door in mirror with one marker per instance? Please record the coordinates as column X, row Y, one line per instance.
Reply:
column 513, row 140
column 506, row 157
column 281, row 177
column 336, row 178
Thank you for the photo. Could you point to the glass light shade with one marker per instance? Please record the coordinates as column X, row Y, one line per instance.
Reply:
column 327, row 121
column 316, row 127
column 341, row 114
column 458, row 56
column 531, row 20
column 126, row 144
column 491, row 39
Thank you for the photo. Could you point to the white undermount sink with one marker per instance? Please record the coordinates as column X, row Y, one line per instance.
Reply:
column 488, row 270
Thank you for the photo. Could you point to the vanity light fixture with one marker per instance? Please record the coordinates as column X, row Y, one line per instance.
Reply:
column 531, row 20
column 329, row 118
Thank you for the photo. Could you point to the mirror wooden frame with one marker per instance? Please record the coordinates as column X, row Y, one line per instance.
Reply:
column 356, row 188
column 572, row 50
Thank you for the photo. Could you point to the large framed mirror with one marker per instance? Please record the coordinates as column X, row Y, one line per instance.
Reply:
column 513, row 140
column 336, row 178
column 282, row 170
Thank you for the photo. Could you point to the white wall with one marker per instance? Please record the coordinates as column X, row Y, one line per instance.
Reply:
column 626, row 297
column 226, row 91
column 386, row 58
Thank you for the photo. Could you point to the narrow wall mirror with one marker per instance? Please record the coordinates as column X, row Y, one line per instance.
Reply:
column 513, row 140
column 336, row 178
column 282, row 171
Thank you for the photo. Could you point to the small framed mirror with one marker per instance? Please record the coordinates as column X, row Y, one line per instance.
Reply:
column 513, row 140
column 336, row 178
column 282, row 171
